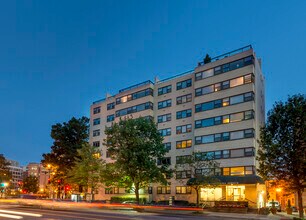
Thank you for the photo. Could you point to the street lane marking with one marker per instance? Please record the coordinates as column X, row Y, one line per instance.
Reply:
column 11, row 216
column 20, row 213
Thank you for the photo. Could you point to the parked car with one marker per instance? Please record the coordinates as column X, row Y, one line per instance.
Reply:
column 294, row 209
column 129, row 202
column 277, row 205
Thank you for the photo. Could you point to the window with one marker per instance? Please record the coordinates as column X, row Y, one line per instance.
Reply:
column 164, row 118
column 133, row 96
column 110, row 118
column 165, row 132
column 226, row 153
column 183, row 144
column 226, row 171
column 96, row 143
column 150, row 190
column 183, row 129
column 96, row 133
column 236, row 135
column 237, row 171
column 183, row 99
column 236, row 99
column 164, row 161
column 96, row 121
column 183, row 114
column 225, row 119
column 183, row 84
column 248, row 96
column 167, row 146
column 111, row 106
column 248, row 79
column 248, row 115
column 137, row 108
column 249, row 170
column 183, row 159
column 237, row 117
column 249, row 152
column 208, row 139
column 248, row 133
column 163, row 190
column 183, row 190
column 97, row 110
column 237, row 153
column 236, row 82
column 218, row 154
column 183, row 174
column 164, row 90
column 164, row 104
column 113, row 190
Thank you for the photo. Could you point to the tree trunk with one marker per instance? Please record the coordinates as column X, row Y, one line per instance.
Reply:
column 137, row 193
column 300, row 203
column 198, row 201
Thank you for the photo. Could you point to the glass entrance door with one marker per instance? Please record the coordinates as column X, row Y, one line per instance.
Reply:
column 235, row 193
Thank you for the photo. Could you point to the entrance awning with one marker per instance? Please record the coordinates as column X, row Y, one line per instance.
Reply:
column 249, row 179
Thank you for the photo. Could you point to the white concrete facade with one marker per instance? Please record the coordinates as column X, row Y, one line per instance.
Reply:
column 234, row 90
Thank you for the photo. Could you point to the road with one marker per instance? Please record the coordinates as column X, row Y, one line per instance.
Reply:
column 29, row 213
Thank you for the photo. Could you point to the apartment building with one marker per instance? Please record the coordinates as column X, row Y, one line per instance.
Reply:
column 17, row 173
column 216, row 109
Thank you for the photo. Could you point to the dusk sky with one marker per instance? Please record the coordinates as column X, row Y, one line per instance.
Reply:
column 57, row 57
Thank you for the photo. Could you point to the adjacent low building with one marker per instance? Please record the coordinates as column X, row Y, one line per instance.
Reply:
column 216, row 109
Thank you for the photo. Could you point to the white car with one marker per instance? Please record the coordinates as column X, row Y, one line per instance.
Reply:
column 276, row 203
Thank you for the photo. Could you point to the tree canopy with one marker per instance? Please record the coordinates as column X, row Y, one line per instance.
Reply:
column 282, row 145
column 68, row 138
column 30, row 184
column 135, row 145
column 201, row 168
column 5, row 174
column 88, row 169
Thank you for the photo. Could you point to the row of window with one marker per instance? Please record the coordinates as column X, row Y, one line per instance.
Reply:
column 180, row 85
column 137, row 108
column 226, row 171
column 225, row 136
column 224, row 68
column 224, row 85
column 134, row 96
column 224, row 119
column 225, row 154
column 249, row 96
column 179, row 130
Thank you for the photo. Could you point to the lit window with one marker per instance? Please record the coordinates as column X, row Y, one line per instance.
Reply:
column 225, row 119
column 236, row 82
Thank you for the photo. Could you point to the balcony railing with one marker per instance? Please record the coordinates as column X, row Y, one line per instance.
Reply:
column 228, row 54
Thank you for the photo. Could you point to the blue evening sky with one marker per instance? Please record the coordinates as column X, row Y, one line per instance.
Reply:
column 57, row 57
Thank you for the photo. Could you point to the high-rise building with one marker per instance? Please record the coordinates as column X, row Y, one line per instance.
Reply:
column 216, row 109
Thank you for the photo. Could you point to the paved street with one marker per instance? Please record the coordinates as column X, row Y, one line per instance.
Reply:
column 22, row 212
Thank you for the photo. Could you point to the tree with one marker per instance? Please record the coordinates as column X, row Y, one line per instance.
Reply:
column 68, row 138
column 5, row 174
column 207, row 59
column 88, row 169
column 135, row 145
column 30, row 184
column 201, row 168
column 282, row 145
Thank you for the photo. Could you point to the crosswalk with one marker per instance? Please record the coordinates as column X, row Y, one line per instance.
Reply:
column 17, row 215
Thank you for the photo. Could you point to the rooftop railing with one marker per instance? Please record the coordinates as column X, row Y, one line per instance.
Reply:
column 228, row 54
column 176, row 76
column 136, row 86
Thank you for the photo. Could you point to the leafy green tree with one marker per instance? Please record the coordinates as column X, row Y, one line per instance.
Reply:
column 5, row 174
column 135, row 145
column 30, row 184
column 201, row 168
column 88, row 169
column 68, row 138
column 282, row 145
